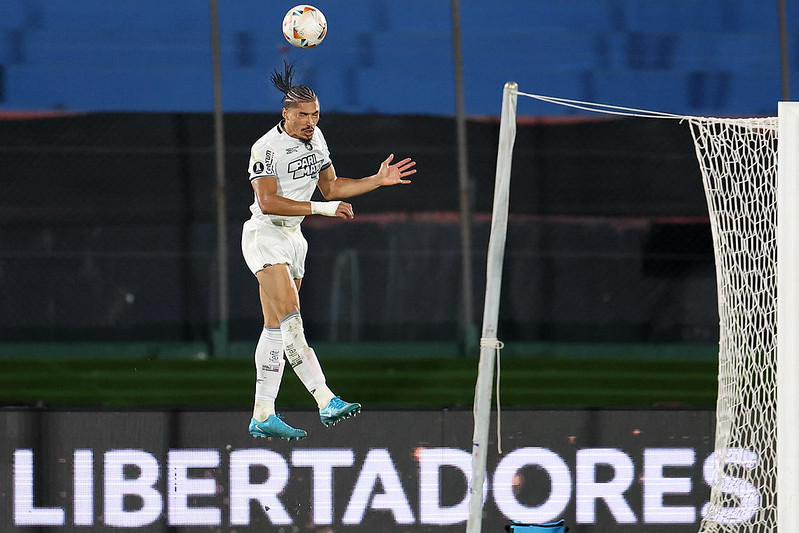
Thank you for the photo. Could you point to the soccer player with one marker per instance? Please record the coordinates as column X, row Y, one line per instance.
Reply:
column 286, row 165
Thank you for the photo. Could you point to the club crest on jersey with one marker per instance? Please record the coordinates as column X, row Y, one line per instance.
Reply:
column 308, row 165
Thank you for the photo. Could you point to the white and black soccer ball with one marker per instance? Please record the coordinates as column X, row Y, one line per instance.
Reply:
column 304, row 26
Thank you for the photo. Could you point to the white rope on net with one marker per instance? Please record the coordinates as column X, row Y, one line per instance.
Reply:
column 609, row 109
column 602, row 108
column 497, row 345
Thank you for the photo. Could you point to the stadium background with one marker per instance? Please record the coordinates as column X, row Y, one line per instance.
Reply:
column 108, row 265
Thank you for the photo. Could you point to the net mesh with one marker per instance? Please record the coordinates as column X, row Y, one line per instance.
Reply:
column 738, row 160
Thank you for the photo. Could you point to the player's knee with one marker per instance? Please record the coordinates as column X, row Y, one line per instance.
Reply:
column 286, row 310
column 274, row 314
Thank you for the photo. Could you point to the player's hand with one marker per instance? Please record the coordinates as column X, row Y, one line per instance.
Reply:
column 392, row 174
column 344, row 210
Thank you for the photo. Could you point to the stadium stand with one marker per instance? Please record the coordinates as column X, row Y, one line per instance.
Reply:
column 684, row 56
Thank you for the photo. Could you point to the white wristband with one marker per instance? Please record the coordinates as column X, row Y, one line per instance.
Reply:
column 327, row 209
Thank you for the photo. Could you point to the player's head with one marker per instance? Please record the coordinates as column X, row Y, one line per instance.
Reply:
column 300, row 104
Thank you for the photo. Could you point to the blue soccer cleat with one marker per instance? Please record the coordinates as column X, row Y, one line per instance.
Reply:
column 337, row 410
column 275, row 427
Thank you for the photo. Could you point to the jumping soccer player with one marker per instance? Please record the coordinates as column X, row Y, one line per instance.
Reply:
column 286, row 165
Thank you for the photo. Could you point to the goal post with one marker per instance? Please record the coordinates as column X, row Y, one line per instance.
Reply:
column 489, row 345
column 788, row 317
column 750, row 176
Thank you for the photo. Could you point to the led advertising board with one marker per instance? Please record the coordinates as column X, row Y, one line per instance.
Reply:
column 403, row 470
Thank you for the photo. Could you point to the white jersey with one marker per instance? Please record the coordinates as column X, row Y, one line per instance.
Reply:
column 294, row 162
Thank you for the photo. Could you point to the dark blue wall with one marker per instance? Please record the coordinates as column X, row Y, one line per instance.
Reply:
column 608, row 239
column 718, row 57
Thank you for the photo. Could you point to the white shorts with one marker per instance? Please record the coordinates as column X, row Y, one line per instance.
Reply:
column 264, row 244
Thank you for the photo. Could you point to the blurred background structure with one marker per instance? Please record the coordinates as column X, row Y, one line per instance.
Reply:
column 108, row 213
column 394, row 57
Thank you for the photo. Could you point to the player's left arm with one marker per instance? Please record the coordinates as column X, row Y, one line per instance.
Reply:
column 337, row 188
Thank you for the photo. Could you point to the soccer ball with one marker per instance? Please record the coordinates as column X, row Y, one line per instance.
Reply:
column 304, row 26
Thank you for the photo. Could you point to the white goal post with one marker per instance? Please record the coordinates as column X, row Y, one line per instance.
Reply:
column 787, row 317
column 489, row 345
column 750, row 173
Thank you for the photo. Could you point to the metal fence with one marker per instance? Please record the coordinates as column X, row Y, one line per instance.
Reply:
column 108, row 231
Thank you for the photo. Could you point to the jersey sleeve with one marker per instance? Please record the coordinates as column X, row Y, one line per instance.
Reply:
column 262, row 162
column 326, row 161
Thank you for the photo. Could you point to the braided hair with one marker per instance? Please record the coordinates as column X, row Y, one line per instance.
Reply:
column 292, row 94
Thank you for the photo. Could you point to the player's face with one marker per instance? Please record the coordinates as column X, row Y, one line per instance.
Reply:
column 301, row 120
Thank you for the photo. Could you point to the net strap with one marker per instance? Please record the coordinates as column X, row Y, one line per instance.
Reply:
column 608, row 109
column 497, row 345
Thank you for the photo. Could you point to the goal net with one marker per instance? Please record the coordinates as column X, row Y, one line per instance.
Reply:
column 738, row 159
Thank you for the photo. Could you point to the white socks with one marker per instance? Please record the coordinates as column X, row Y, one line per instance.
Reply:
column 269, row 365
column 303, row 359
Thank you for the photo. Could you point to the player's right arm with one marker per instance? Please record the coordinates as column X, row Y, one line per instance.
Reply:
column 271, row 203
column 263, row 178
